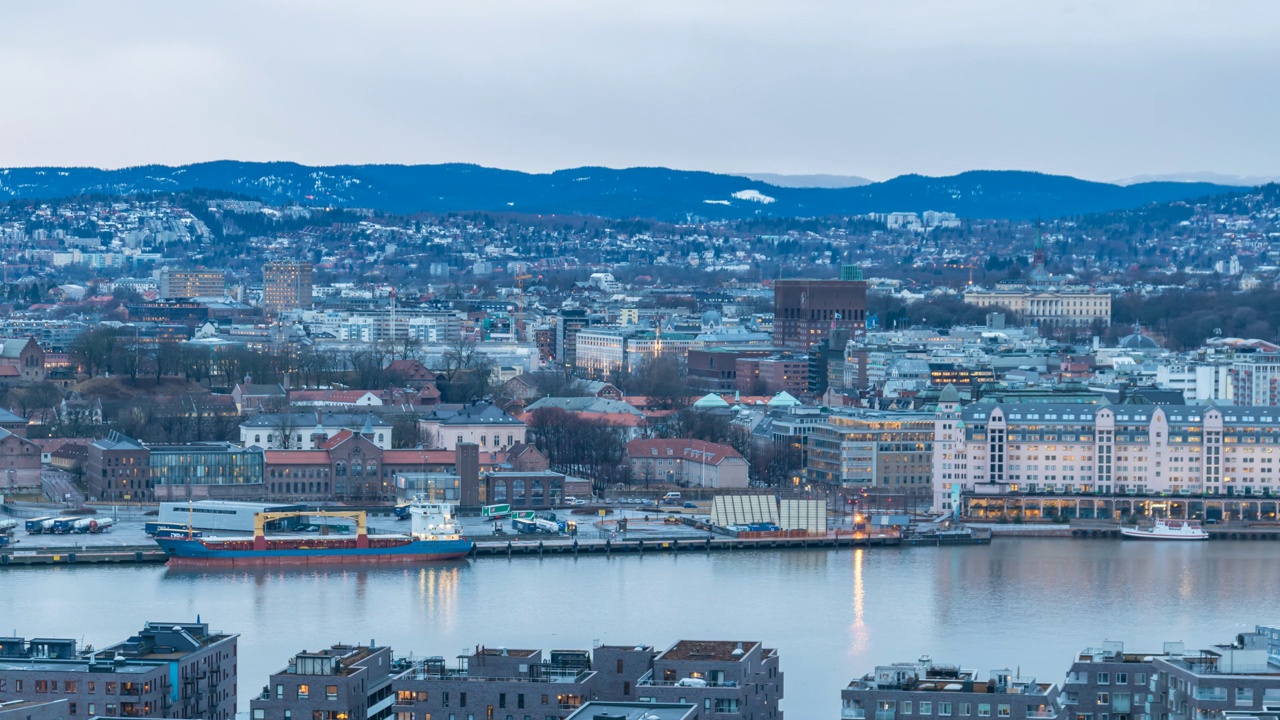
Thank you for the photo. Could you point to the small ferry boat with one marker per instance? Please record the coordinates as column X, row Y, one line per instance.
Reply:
column 1167, row 530
column 435, row 536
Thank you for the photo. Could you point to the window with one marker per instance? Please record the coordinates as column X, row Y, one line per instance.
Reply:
column 304, row 692
column 502, row 700
column 926, row 708
column 69, row 686
column 984, row 709
column 520, row 701
column 1104, row 698
column 1104, row 678
column 944, row 709
column 93, row 708
column 462, row 699
column 279, row 692
column 330, row 692
column 906, row 707
column 288, row 715
column 71, row 707
column 966, row 709
column 259, row 714
column 1244, row 696
column 1002, row 711
column 1122, row 678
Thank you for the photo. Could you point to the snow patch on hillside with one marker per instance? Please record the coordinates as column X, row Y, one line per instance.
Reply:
column 754, row 196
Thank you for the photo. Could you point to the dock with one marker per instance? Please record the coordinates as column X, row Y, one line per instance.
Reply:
column 575, row 547
column 89, row 555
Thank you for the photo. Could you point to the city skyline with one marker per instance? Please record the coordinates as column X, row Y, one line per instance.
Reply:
column 849, row 89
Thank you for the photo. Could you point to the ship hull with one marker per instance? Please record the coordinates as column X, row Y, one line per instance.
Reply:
column 196, row 551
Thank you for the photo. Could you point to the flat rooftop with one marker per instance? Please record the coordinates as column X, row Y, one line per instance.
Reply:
column 719, row 650
column 635, row 711
column 506, row 652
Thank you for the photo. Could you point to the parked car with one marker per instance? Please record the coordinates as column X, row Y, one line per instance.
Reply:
column 689, row 504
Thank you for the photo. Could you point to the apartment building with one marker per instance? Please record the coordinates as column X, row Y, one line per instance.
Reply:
column 1107, row 683
column 721, row 679
column 166, row 670
column 286, row 286
column 181, row 284
column 1123, row 450
column 337, row 683
column 925, row 690
column 1255, row 379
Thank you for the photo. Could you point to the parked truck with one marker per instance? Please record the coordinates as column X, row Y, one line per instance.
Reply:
column 35, row 526
column 8, row 526
column 65, row 525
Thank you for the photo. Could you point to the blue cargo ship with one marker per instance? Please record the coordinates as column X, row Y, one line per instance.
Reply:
column 435, row 537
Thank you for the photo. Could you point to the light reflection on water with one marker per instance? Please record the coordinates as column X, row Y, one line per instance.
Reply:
column 832, row 615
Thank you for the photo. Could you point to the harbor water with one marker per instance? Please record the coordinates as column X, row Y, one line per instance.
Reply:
column 1025, row 604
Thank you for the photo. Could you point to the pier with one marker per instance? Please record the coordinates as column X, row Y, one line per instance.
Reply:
column 90, row 555
column 685, row 544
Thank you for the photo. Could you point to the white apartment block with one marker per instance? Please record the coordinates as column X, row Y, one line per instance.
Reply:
column 1105, row 449
column 1198, row 382
column 1255, row 379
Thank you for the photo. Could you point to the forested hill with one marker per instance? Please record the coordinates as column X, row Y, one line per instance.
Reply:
column 659, row 193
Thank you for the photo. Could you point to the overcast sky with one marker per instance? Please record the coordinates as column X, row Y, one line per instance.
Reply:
column 1102, row 90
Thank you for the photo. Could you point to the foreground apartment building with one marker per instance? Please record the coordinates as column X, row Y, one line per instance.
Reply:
column 719, row 679
column 925, row 690
column 166, row 670
column 1231, row 681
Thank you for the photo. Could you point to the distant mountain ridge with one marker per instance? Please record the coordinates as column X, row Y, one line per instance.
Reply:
column 653, row 192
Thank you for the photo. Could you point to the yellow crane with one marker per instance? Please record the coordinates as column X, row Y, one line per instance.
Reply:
column 261, row 519
column 521, row 276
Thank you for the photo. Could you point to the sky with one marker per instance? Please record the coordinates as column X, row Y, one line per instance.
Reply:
column 1101, row 90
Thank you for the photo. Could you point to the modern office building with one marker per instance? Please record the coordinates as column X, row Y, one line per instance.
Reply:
column 805, row 312
column 181, row 284
column 218, row 470
column 887, row 450
column 286, row 285
column 166, row 670
column 924, row 690
column 601, row 353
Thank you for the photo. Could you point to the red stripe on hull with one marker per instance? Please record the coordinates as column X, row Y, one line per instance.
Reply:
column 370, row 559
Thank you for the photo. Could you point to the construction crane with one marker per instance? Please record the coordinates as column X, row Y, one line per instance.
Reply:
column 521, row 276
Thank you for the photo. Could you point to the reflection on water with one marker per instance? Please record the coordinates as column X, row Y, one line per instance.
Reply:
column 832, row 615
column 859, row 628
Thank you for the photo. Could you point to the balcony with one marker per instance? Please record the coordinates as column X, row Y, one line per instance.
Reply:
column 1217, row 694
column 853, row 713
column 884, row 714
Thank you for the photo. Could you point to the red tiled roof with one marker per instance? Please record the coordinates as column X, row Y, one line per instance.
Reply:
column 341, row 437
column 418, row 457
column 683, row 448
column 296, row 457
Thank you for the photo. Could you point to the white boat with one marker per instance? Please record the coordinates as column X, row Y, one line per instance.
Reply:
column 1167, row 530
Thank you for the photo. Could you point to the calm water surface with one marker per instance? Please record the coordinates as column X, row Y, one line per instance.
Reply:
column 832, row 615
